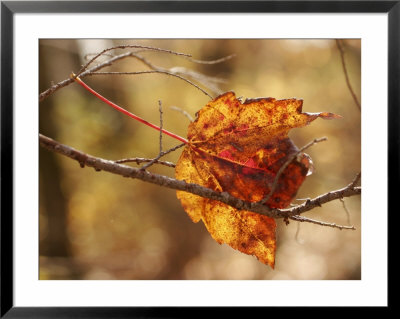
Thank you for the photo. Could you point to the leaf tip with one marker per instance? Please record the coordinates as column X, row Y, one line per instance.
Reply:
column 329, row 116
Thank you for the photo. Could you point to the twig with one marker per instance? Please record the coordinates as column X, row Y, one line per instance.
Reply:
column 70, row 80
column 156, row 160
column 313, row 221
column 160, row 153
column 341, row 50
column 322, row 199
column 228, row 57
column 126, row 112
column 283, row 167
column 150, row 72
column 161, row 124
column 355, row 180
column 146, row 62
column 84, row 71
column 127, row 171
column 140, row 160
column 127, row 46
column 211, row 83
column 346, row 210
column 87, row 55
column 206, row 81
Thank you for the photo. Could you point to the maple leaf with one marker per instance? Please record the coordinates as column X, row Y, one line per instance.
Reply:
column 239, row 148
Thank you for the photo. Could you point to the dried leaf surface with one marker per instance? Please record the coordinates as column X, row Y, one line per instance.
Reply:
column 238, row 148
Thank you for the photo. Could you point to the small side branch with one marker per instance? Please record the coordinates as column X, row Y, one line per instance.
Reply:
column 160, row 153
column 346, row 210
column 341, row 50
column 86, row 71
column 226, row 58
column 128, row 46
column 347, row 191
column 318, row 222
column 45, row 94
column 140, row 160
column 355, row 180
column 152, row 72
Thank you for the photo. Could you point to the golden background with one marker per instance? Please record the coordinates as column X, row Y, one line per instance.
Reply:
column 96, row 225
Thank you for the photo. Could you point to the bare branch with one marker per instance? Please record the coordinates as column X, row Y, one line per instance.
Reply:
column 156, row 160
column 320, row 200
column 127, row 171
column 140, row 160
column 150, row 72
column 313, row 221
column 355, row 180
column 85, row 71
column 341, row 50
column 127, row 46
column 88, row 55
column 70, row 80
column 161, row 153
column 346, row 210
column 228, row 57
column 303, row 199
column 210, row 82
column 161, row 124
column 207, row 81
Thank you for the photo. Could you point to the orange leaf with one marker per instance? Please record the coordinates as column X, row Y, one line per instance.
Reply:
column 238, row 148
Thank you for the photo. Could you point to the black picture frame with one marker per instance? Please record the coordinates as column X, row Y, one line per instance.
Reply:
column 9, row 8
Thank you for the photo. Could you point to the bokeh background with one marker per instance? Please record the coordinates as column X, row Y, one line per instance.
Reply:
column 96, row 225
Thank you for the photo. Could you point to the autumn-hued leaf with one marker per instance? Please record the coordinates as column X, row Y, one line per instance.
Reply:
column 238, row 148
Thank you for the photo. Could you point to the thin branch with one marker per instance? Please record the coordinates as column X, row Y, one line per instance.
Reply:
column 347, row 191
column 352, row 184
column 161, row 124
column 146, row 62
column 226, row 58
column 283, row 167
column 127, row 171
column 140, row 160
column 160, row 153
column 70, row 80
column 150, row 72
column 207, row 81
column 346, row 210
column 126, row 112
column 85, row 71
column 341, row 50
column 127, row 46
column 313, row 221
column 211, row 83
column 87, row 55
column 355, row 180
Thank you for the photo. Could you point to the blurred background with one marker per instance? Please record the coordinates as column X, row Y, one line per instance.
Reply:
column 96, row 225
